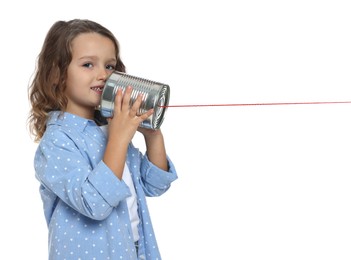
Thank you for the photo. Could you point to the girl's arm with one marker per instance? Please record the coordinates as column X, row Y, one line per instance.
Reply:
column 122, row 127
column 155, row 147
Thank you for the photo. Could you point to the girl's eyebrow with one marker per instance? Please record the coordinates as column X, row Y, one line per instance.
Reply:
column 88, row 57
column 85, row 59
column 112, row 60
column 95, row 58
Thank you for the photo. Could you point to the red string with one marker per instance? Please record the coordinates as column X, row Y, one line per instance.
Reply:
column 261, row 104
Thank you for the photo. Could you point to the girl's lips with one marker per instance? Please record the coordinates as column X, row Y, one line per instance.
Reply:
column 97, row 89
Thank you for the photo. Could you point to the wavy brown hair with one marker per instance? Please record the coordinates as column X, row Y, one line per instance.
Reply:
column 46, row 91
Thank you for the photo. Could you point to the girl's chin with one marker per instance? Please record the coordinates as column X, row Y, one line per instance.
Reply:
column 97, row 98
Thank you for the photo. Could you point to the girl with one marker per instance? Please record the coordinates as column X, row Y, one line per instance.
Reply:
column 93, row 181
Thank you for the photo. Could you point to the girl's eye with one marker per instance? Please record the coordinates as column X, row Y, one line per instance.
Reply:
column 110, row 67
column 87, row 65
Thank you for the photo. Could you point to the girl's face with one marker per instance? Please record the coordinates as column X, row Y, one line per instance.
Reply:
column 93, row 60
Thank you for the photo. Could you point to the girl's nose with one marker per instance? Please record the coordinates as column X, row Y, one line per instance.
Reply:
column 103, row 74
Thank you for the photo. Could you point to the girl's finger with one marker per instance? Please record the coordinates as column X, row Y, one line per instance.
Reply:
column 136, row 106
column 146, row 114
column 118, row 101
column 126, row 98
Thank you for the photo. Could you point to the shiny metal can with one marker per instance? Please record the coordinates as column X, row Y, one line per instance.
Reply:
column 155, row 95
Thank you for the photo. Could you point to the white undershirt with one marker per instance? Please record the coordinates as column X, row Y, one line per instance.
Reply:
column 131, row 200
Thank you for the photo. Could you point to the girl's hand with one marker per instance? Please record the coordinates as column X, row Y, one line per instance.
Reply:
column 126, row 120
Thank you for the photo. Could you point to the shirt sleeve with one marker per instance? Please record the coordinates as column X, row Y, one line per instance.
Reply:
column 63, row 170
column 155, row 180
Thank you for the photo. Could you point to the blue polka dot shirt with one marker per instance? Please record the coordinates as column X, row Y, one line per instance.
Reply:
column 85, row 203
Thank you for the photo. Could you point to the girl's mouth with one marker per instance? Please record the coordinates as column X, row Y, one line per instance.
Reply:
column 97, row 89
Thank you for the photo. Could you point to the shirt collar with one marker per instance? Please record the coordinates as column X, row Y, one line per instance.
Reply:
column 66, row 119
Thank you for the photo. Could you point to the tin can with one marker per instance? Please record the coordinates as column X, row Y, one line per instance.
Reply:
column 155, row 96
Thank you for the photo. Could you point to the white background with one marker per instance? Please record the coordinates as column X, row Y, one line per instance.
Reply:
column 258, row 182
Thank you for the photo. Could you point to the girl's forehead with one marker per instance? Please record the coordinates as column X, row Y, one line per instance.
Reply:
column 92, row 44
column 90, row 40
